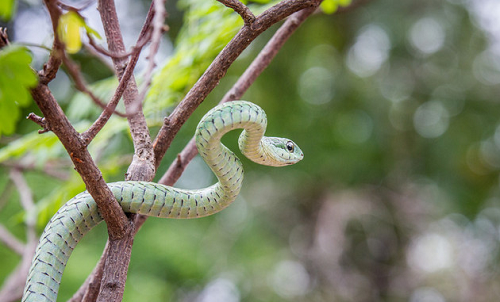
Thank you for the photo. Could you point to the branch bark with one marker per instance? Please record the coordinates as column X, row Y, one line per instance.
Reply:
column 142, row 167
column 70, row 138
column 117, row 252
column 245, row 13
column 147, row 156
column 59, row 124
column 218, row 69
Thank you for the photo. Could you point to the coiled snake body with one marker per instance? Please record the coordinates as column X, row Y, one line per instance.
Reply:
column 80, row 214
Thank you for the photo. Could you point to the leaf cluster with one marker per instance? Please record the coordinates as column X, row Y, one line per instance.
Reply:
column 16, row 77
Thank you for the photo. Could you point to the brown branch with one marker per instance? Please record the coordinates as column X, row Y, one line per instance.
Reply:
column 245, row 13
column 267, row 54
column 42, row 122
column 117, row 253
column 219, row 67
column 50, row 168
column 59, row 124
column 108, row 53
column 84, row 165
column 241, row 86
column 89, row 290
column 92, row 285
column 140, row 219
column 142, row 167
column 89, row 135
column 49, row 71
column 13, row 286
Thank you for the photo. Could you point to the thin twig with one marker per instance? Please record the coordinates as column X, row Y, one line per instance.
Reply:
column 90, row 288
column 49, row 71
column 106, row 52
column 10, row 240
column 158, row 27
column 103, row 58
column 74, row 71
column 117, row 253
column 245, row 13
column 41, row 121
column 241, row 86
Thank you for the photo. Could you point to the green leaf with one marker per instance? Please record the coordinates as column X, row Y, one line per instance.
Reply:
column 7, row 8
column 32, row 142
column 16, row 78
column 331, row 6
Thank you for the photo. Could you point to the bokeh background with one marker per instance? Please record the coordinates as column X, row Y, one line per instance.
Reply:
column 395, row 105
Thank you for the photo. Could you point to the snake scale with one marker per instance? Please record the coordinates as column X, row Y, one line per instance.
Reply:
column 80, row 214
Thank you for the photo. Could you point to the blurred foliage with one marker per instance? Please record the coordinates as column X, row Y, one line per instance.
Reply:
column 70, row 28
column 397, row 199
column 7, row 8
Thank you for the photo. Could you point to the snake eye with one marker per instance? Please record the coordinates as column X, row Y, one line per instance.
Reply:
column 290, row 146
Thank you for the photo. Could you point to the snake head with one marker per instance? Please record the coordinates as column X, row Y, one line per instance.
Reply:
column 281, row 151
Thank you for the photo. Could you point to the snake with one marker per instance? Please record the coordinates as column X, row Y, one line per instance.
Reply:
column 80, row 214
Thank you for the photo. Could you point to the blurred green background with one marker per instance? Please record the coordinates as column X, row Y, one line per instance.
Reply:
column 395, row 105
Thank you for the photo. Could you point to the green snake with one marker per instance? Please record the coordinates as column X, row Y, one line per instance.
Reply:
column 80, row 214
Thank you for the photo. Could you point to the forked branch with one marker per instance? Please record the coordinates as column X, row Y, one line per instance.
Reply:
column 219, row 67
column 241, row 86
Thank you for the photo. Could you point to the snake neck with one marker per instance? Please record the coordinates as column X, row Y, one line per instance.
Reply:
column 222, row 161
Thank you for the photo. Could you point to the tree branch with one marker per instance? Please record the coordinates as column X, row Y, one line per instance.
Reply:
column 4, row 37
column 49, row 71
column 245, row 13
column 41, row 121
column 219, row 67
column 142, row 167
column 49, row 168
column 241, row 86
column 158, row 28
column 59, row 124
column 84, row 165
